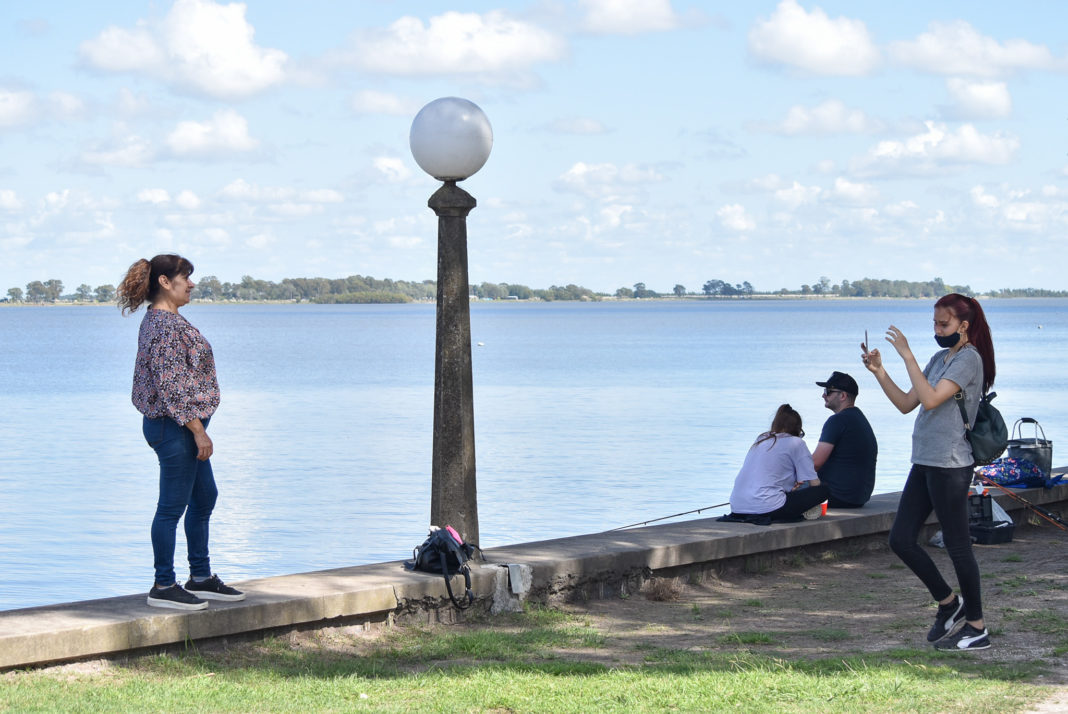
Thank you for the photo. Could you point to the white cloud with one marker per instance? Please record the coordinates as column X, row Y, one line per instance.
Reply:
column 629, row 17
column 955, row 48
column 372, row 102
column 282, row 200
column 457, row 43
column 259, row 241
column 187, row 200
column 127, row 152
column 797, row 195
column 9, row 201
column 322, row 195
column 771, row 182
column 980, row 100
column 605, row 180
column 199, row 45
column 17, row 107
column 901, row 209
column 226, row 132
column 155, row 196
column 983, row 199
column 813, row 42
column 848, row 191
column 734, row 217
column 391, row 168
column 217, row 236
column 938, row 149
column 829, row 117
column 129, row 104
column 64, row 105
column 577, row 125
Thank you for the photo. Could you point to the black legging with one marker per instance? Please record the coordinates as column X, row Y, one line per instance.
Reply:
column 797, row 502
column 945, row 490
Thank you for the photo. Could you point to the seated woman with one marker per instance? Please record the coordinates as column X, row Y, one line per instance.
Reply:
column 770, row 485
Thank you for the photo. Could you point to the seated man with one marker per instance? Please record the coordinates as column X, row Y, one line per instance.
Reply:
column 846, row 453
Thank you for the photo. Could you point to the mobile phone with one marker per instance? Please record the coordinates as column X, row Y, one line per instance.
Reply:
column 865, row 340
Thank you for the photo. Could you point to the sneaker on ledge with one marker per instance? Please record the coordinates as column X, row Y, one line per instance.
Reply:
column 175, row 598
column 214, row 589
column 948, row 617
column 966, row 638
column 813, row 513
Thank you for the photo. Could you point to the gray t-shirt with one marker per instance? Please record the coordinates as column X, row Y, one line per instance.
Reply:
column 938, row 436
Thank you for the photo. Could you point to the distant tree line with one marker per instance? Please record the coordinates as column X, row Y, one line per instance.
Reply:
column 52, row 291
column 513, row 291
column 365, row 289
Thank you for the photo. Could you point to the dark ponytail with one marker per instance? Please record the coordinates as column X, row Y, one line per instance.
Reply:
column 141, row 283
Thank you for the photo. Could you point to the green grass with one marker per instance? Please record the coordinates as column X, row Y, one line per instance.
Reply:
column 747, row 638
column 1014, row 583
column 536, row 661
column 828, row 634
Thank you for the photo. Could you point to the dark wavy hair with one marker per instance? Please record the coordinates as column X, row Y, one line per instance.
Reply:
column 968, row 309
column 785, row 421
column 141, row 283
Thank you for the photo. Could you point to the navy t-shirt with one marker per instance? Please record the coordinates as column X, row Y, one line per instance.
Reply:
column 849, row 472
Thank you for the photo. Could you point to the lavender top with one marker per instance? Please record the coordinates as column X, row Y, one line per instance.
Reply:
column 174, row 374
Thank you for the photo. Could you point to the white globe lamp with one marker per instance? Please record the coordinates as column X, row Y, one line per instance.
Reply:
column 451, row 138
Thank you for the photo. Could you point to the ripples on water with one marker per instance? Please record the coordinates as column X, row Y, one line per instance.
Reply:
column 587, row 417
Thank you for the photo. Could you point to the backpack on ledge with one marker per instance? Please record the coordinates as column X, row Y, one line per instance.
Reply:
column 445, row 553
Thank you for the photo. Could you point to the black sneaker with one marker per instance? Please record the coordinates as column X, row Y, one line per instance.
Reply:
column 947, row 618
column 214, row 589
column 966, row 638
column 175, row 598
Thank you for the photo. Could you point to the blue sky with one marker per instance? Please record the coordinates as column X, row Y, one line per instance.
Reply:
column 655, row 141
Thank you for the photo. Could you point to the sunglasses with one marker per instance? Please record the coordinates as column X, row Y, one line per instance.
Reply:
column 829, row 392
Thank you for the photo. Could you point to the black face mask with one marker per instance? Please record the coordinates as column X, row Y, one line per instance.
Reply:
column 948, row 340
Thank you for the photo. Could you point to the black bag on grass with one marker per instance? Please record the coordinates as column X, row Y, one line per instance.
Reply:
column 445, row 553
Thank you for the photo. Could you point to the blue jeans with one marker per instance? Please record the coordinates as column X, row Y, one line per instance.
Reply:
column 185, row 486
column 944, row 490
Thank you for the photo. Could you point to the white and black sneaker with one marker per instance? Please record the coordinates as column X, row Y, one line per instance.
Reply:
column 174, row 598
column 966, row 638
column 948, row 617
column 214, row 589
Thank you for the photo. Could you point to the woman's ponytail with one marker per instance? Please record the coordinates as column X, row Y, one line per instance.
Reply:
column 133, row 290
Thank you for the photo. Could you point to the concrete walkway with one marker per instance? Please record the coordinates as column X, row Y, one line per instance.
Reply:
column 594, row 565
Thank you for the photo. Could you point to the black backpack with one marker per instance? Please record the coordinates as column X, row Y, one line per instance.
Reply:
column 988, row 436
column 445, row 553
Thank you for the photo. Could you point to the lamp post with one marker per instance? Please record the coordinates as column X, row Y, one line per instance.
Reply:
column 451, row 139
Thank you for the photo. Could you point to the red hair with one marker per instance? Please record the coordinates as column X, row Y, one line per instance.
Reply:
column 968, row 309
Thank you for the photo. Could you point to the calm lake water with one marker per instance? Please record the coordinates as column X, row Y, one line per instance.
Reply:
column 588, row 416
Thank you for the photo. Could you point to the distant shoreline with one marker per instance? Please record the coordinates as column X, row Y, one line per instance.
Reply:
column 607, row 298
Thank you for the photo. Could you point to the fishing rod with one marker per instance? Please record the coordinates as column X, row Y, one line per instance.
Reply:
column 1040, row 511
column 664, row 518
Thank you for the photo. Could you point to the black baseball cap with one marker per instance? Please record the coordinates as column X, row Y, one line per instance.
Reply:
column 842, row 381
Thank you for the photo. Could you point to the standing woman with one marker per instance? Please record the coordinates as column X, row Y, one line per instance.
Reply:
column 175, row 388
column 942, row 460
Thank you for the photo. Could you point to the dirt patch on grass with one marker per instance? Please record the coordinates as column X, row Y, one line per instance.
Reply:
column 826, row 606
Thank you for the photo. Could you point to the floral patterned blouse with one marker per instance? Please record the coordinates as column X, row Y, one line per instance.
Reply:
column 174, row 374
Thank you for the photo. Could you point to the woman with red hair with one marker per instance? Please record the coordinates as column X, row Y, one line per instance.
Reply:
column 942, row 461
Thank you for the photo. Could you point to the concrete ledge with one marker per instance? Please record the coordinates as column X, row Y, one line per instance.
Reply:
column 95, row 628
